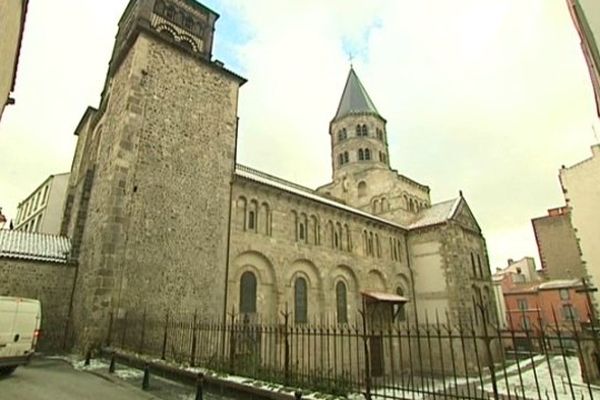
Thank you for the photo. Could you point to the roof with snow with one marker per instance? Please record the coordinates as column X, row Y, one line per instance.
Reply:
column 34, row 246
column 355, row 99
column 436, row 214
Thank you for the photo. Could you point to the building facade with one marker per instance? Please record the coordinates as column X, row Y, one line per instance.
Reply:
column 157, row 205
column 558, row 246
column 581, row 187
column 586, row 18
column 42, row 210
column 12, row 24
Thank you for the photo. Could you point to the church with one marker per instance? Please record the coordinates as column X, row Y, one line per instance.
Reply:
column 161, row 217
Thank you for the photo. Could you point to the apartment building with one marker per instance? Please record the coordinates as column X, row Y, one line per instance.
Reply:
column 42, row 210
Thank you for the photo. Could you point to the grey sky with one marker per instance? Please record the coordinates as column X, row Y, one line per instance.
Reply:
column 487, row 96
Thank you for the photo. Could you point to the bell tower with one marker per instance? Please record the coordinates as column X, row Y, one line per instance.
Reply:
column 358, row 133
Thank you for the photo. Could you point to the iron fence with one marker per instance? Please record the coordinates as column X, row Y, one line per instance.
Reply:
column 389, row 359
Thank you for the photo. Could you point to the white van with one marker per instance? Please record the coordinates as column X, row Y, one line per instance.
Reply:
column 19, row 331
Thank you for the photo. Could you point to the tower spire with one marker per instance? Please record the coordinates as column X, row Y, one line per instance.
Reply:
column 355, row 99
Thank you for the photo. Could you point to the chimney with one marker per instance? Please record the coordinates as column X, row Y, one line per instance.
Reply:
column 511, row 261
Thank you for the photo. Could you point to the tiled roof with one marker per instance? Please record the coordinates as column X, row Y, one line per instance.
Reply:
column 436, row 214
column 34, row 246
column 355, row 99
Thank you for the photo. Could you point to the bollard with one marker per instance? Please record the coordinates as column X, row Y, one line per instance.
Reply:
column 146, row 380
column 200, row 386
column 88, row 357
column 298, row 395
column 111, row 367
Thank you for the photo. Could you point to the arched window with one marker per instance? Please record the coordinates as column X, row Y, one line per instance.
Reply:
column 301, row 233
column 361, row 154
column 358, row 130
column 379, row 134
column 375, row 206
column 377, row 246
column 248, row 293
column 479, row 266
column 344, row 133
column 348, row 238
column 341, row 302
column 411, row 206
column 300, row 301
column 340, row 159
column 365, row 131
column 362, row 188
column 340, row 137
column 251, row 220
column 336, row 240
column 367, row 154
column 473, row 265
column 346, row 157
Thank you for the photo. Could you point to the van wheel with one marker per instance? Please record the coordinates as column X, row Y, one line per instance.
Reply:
column 6, row 371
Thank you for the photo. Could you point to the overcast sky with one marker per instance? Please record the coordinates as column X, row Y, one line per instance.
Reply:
column 486, row 96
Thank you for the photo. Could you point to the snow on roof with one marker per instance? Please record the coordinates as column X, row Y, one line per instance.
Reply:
column 290, row 187
column 34, row 246
column 436, row 214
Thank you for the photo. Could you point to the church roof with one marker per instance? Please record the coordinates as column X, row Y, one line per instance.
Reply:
column 293, row 188
column 436, row 214
column 34, row 246
column 355, row 99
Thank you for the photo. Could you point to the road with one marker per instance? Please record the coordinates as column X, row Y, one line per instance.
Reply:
column 46, row 379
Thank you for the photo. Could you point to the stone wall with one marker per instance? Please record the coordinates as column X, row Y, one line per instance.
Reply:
column 277, row 252
column 51, row 283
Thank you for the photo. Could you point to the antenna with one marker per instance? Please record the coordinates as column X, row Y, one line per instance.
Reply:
column 350, row 58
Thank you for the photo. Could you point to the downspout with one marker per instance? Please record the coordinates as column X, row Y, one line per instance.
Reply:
column 412, row 279
column 228, row 245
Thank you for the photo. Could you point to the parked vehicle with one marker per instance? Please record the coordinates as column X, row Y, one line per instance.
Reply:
column 20, row 321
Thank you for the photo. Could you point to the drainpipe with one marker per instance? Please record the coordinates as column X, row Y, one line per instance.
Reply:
column 412, row 280
column 228, row 245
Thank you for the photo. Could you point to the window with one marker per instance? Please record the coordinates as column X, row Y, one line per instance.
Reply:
column 340, row 136
column 362, row 188
column 473, row 265
column 251, row 220
column 379, row 134
column 361, row 154
column 358, row 130
column 346, row 157
column 38, row 223
column 364, row 131
column 569, row 312
column 479, row 266
column 341, row 302
column 301, row 233
column 340, row 159
column 525, row 323
column 248, row 293
column 300, row 301
column 336, row 240
column 564, row 294
column 522, row 304
column 367, row 154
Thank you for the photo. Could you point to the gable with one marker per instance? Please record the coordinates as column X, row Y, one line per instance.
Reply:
column 465, row 217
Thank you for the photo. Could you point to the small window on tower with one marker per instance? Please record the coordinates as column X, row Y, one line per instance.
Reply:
column 361, row 154
column 346, row 157
column 365, row 131
column 344, row 133
column 367, row 154
column 379, row 134
column 341, row 159
column 358, row 130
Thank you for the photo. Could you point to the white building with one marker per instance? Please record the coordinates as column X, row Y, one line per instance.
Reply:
column 42, row 210
column 581, row 186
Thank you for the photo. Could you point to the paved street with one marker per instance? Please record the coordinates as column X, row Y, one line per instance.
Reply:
column 54, row 379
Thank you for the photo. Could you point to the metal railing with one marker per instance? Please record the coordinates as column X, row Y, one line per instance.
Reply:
column 380, row 358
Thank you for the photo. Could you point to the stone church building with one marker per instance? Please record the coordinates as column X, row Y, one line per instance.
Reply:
column 161, row 216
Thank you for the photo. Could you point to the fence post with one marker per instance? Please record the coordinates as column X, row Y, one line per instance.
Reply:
column 111, row 367
column 366, row 349
column 200, row 386
column 164, row 344
column 88, row 356
column 194, row 340
column 298, row 395
column 146, row 380
column 124, row 331
column 488, row 345
column 286, row 349
column 232, row 344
